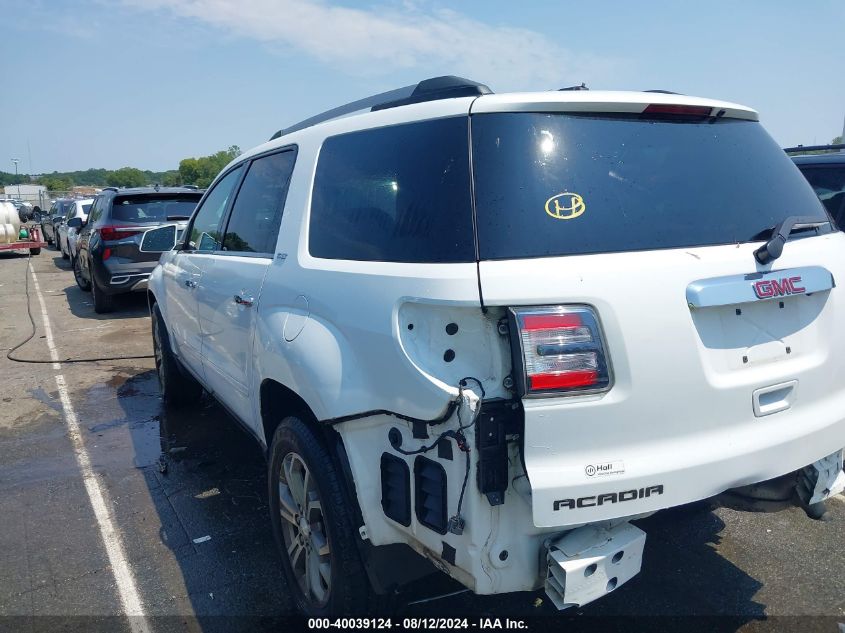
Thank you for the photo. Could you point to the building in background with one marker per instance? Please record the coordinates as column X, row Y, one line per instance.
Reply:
column 84, row 191
column 36, row 195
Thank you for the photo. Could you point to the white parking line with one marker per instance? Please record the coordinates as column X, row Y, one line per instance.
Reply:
column 98, row 497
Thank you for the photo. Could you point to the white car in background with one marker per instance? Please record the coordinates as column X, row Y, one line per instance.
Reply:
column 66, row 236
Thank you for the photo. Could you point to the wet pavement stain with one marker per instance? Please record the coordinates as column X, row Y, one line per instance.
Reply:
column 48, row 399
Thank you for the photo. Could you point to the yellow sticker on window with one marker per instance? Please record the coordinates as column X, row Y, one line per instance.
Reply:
column 565, row 206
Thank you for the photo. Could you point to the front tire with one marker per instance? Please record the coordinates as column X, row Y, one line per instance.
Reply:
column 178, row 388
column 314, row 527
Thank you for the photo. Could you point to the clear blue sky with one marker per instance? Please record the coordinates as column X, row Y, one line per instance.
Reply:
column 96, row 83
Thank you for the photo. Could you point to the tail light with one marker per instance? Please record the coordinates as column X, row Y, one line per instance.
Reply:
column 109, row 233
column 562, row 350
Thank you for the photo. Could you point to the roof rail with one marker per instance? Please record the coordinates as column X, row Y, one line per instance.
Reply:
column 813, row 148
column 663, row 92
column 115, row 189
column 191, row 187
column 446, row 87
column 583, row 86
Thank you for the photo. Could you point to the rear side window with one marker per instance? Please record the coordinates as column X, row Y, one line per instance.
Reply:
column 96, row 210
column 257, row 212
column 562, row 184
column 394, row 194
column 148, row 208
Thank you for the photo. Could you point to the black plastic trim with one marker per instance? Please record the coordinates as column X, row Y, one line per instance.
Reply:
column 396, row 489
column 428, row 471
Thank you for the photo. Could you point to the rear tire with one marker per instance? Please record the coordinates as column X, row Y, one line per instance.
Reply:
column 35, row 251
column 103, row 303
column 83, row 283
column 314, row 526
column 178, row 388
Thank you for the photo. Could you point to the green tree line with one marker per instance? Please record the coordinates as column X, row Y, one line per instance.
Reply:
column 198, row 171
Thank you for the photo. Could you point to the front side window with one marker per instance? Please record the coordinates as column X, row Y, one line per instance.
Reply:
column 253, row 225
column 394, row 194
column 548, row 185
column 205, row 229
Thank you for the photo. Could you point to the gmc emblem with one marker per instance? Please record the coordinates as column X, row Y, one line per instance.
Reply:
column 774, row 288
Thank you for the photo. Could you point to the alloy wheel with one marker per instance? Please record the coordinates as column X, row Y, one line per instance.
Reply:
column 304, row 529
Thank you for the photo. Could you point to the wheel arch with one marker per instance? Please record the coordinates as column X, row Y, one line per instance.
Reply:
column 151, row 300
column 278, row 401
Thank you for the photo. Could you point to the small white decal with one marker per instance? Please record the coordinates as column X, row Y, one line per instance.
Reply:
column 601, row 469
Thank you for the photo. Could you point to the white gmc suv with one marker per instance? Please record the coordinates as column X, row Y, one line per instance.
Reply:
column 483, row 332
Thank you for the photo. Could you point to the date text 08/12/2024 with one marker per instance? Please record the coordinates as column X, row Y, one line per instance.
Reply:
column 417, row 623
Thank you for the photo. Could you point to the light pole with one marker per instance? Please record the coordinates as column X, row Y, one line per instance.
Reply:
column 16, row 161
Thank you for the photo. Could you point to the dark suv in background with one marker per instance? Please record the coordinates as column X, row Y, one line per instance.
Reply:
column 826, row 174
column 109, row 260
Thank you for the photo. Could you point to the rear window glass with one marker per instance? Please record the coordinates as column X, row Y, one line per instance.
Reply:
column 395, row 194
column 154, row 209
column 562, row 184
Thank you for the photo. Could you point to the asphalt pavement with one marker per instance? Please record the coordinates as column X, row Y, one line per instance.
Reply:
column 180, row 537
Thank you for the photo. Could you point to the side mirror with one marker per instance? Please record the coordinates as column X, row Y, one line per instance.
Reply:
column 74, row 223
column 159, row 240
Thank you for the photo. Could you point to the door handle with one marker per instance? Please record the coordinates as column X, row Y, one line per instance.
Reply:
column 244, row 301
column 190, row 283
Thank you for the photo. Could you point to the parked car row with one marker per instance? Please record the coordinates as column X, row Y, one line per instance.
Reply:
column 53, row 218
